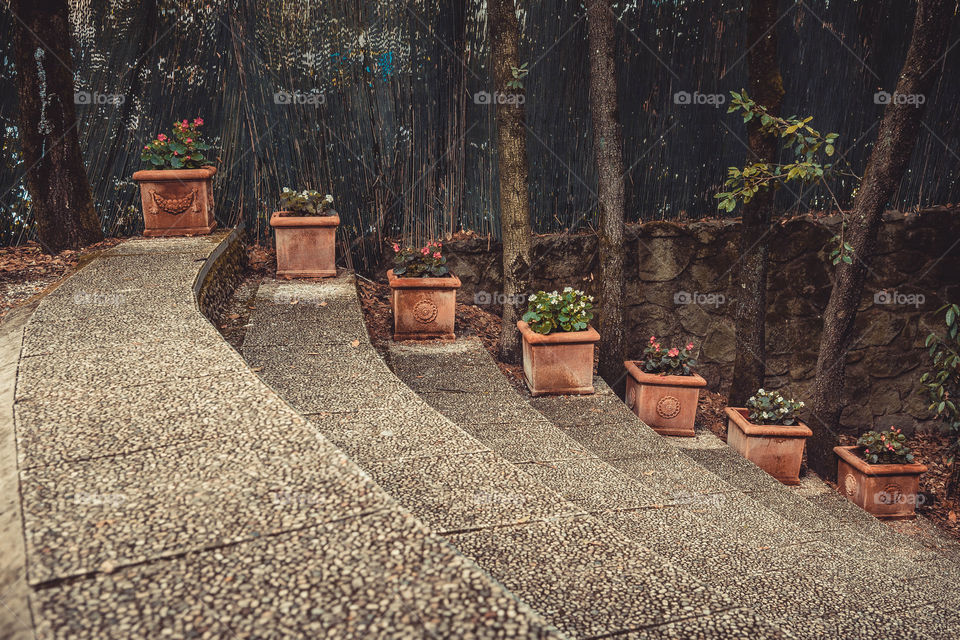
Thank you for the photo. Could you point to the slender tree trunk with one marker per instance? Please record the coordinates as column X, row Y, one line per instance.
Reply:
column 512, row 163
column 56, row 177
column 766, row 87
column 895, row 142
column 608, row 148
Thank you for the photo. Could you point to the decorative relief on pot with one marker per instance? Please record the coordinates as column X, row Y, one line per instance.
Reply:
column 891, row 494
column 850, row 485
column 174, row 206
column 425, row 311
column 631, row 396
column 668, row 407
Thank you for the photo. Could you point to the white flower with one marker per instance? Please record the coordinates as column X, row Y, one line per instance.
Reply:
column 329, row 198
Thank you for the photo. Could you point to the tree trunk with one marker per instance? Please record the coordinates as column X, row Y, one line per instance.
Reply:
column 766, row 87
column 56, row 177
column 608, row 148
column 888, row 161
column 512, row 163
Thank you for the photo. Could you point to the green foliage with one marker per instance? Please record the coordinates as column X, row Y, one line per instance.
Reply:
column 518, row 73
column 670, row 362
column 306, row 203
column 568, row 310
column 795, row 134
column 942, row 385
column 885, row 447
column 183, row 151
column 842, row 251
column 426, row 262
column 770, row 407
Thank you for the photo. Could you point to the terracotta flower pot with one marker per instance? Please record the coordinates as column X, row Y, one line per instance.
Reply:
column 423, row 308
column 177, row 202
column 306, row 245
column 559, row 363
column 887, row 491
column 776, row 449
column 667, row 404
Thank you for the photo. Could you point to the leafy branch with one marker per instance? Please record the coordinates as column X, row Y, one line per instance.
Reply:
column 519, row 74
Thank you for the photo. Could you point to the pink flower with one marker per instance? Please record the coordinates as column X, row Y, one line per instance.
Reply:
column 673, row 353
column 188, row 140
column 185, row 123
column 437, row 255
column 657, row 346
column 396, row 247
column 689, row 346
column 175, row 153
column 653, row 339
column 146, row 146
column 198, row 121
column 425, row 251
column 161, row 137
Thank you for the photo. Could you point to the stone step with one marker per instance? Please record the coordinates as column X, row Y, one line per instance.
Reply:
column 595, row 453
column 167, row 492
column 583, row 576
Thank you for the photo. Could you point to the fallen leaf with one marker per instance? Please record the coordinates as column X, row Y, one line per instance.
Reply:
column 294, row 301
column 952, row 516
column 233, row 316
column 257, row 369
column 323, row 304
column 355, row 343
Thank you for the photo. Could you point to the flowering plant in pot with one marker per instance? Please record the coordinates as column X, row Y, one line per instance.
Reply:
column 176, row 192
column 768, row 433
column 880, row 474
column 306, row 228
column 424, row 293
column 558, row 342
column 663, row 389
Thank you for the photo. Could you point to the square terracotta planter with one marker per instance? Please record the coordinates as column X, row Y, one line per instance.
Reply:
column 559, row 363
column 306, row 245
column 887, row 491
column 423, row 308
column 177, row 202
column 776, row 449
column 667, row 404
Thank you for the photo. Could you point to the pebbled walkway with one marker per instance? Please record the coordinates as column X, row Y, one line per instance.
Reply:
column 167, row 492
column 308, row 341
column 814, row 573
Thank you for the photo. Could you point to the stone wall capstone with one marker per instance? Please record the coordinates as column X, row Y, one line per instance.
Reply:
column 681, row 285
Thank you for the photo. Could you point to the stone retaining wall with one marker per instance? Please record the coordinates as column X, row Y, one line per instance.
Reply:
column 219, row 278
column 681, row 286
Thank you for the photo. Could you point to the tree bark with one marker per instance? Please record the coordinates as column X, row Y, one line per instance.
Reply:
column 55, row 174
column 896, row 139
column 766, row 87
column 608, row 148
column 512, row 163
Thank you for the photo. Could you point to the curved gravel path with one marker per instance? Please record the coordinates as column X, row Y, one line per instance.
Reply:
column 167, row 492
